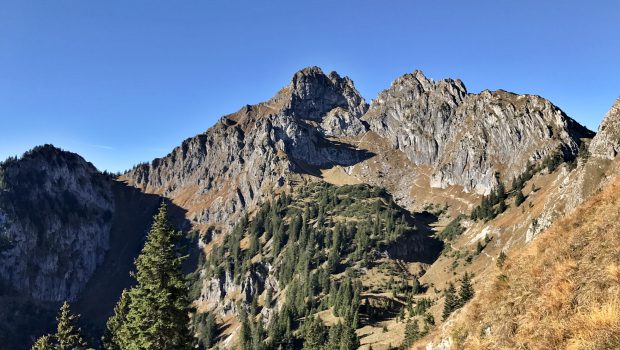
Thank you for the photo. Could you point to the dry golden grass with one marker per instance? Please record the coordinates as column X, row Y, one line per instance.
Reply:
column 561, row 292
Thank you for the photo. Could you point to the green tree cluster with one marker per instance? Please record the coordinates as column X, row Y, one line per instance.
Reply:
column 452, row 301
column 154, row 313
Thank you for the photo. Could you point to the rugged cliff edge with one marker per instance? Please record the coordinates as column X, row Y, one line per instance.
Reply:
column 317, row 122
column 595, row 169
column 250, row 154
column 55, row 217
column 468, row 138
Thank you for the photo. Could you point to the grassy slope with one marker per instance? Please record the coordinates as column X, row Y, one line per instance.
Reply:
column 562, row 291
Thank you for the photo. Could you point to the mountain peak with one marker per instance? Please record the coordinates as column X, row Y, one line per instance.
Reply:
column 50, row 154
column 313, row 94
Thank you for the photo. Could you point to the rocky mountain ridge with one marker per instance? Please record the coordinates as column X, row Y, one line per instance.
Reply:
column 431, row 144
column 248, row 155
column 470, row 138
column 316, row 121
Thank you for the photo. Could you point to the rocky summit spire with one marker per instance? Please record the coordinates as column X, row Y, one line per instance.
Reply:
column 313, row 94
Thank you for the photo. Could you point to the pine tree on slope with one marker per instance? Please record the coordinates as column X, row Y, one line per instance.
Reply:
column 450, row 301
column 68, row 336
column 110, row 339
column 157, row 316
column 466, row 292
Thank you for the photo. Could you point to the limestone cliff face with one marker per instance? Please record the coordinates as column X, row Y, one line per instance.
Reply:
column 249, row 155
column 468, row 138
column 606, row 144
column 55, row 218
column 594, row 170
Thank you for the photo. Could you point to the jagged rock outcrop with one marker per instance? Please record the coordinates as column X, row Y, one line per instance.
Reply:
column 468, row 138
column 249, row 155
column 594, row 170
column 55, row 219
column 606, row 144
column 313, row 94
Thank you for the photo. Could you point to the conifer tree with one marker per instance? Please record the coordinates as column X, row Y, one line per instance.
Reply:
column 479, row 247
column 502, row 207
column 412, row 333
column 68, row 336
column 210, row 331
column 205, row 329
column 157, row 317
column 416, row 287
column 466, row 292
column 501, row 191
column 43, row 343
column 258, row 336
column 314, row 333
column 519, row 198
column 450, row 301
column 348, row 339
column 335, row 336
column 110, row 339
column 501, row 258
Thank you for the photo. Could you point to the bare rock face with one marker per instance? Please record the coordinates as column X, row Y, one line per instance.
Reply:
column 468, row 138
column 55, row 219
column 251, row 154
column 313, row 94
column 416, row 115
column 593, row 171
column 606, row 144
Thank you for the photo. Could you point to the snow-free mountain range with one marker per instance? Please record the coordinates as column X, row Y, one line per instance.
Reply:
column 428, row 151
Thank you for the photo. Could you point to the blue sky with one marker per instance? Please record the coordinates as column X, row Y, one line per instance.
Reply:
column 122, row 82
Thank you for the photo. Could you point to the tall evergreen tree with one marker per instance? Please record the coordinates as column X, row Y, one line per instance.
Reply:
column 412, row 333
column 245, row 333
column 450, row 301
column 501, row 191
column 209, row 331
column 314, row 333
column 157, row 317
column 335, row 337
column 349, row 340
column 110, row 339
column 466, row 292
column 68, row 336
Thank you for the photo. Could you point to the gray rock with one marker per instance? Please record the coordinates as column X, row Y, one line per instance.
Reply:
column 592, row 173
column 606, row 144
column 249, row 155
column 468, row 138
column 55, row 220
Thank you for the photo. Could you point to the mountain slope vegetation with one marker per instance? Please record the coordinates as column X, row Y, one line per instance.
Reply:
column 561, row 292
column 307, row 255
column 316, row 220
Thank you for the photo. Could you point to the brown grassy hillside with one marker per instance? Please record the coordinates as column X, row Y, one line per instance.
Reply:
column 560, row 292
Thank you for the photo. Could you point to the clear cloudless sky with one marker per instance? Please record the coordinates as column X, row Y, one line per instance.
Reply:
column 121, row 82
